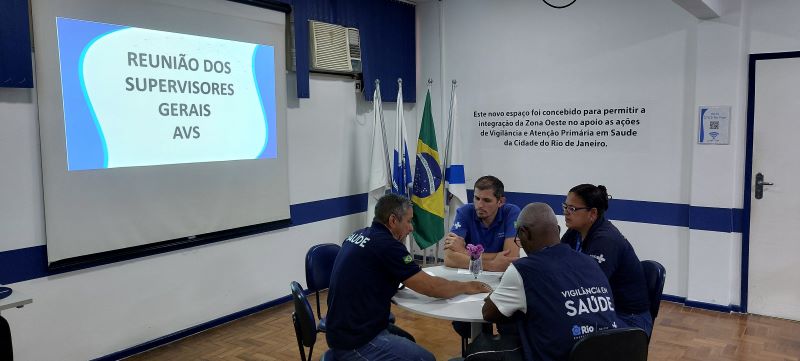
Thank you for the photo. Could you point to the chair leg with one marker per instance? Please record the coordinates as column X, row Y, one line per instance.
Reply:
column 299, row 339
column 319, row 310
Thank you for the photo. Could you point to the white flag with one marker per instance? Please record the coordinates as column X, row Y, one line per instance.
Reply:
column 401, row 168
column 379, row 160
column 454, row 169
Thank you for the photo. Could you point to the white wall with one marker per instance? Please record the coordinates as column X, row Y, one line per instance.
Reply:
column 717, row 170
column 98, row 311
column 504, row 53
column 747, row 27
column 515, row 54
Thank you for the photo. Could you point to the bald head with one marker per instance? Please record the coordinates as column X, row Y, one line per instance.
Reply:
column 540, row 227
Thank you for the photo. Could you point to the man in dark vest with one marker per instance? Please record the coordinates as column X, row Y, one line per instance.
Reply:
column 561, row 295
column 365, row 276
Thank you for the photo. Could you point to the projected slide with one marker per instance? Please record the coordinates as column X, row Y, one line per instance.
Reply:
column 139, row 97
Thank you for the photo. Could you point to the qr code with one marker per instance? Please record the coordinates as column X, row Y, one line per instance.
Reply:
column 714, row 124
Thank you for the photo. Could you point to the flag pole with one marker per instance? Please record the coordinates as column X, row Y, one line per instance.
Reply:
column 425, row 250
column 399, row 138
column 448, row 143
column 408, row 185
column 383, row 134
column 447, row 156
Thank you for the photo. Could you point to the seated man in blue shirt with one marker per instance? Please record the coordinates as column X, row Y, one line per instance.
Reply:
column 488, row 221
column 365, row 276
column 562, row 294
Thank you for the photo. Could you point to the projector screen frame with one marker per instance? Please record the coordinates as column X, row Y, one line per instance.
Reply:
column 191, row 239
column 150, row 249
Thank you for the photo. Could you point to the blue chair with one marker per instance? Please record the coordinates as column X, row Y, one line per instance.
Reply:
column 305, row 328
column 616, row 344
column 654, row 275
column 6, row 351
column 319, row 264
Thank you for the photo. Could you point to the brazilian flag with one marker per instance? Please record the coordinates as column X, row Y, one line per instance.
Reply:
column 428, row 190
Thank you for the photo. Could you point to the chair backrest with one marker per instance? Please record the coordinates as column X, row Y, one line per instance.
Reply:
column 319, row 265
column 6, row 351
column 305, row 327
column 654, row 275
column 616, row 344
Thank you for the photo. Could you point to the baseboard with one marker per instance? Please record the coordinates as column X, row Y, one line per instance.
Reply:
column 703, row 305
column 712, row 306
column 671, row 298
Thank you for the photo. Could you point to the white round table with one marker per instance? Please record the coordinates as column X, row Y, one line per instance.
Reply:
column 465, row 308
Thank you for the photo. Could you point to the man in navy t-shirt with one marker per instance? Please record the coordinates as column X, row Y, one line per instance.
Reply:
column 563, row 294
column 488, row 221
column 366, row 273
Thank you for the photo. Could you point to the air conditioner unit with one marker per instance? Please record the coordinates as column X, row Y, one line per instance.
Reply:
column 334, row 48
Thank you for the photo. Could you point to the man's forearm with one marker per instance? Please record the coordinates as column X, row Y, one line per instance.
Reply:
column 442, row 288
column 456, row 259
column 494, row 263
column 491, row 313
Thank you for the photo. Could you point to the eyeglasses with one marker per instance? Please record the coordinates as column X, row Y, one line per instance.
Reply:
column 568, row 209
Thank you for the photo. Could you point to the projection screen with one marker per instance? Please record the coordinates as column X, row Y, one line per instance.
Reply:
column 158, row 119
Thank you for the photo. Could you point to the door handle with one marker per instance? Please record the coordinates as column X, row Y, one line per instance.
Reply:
column 760, row 185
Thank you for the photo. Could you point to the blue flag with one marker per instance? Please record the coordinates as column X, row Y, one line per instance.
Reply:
column 401, row 167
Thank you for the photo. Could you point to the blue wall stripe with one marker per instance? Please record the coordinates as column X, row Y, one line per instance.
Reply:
column 30, row 263
column 23, row 264
column 668, row 214
column 715, row 219
column 521, row 199
column 321, row 210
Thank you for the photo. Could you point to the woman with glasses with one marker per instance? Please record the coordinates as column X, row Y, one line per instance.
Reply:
column 591, row 233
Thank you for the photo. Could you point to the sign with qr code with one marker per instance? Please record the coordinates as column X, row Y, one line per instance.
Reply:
column 715, row 125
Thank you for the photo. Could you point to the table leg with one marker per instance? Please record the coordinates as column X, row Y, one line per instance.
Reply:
column 475, row 329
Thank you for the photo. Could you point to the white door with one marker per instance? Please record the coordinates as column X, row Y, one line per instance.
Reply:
column 774, row 272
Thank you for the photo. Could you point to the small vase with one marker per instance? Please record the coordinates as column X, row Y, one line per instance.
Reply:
column 475, row 267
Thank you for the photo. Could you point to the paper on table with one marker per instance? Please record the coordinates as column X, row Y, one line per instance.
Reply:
column 467, row 298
